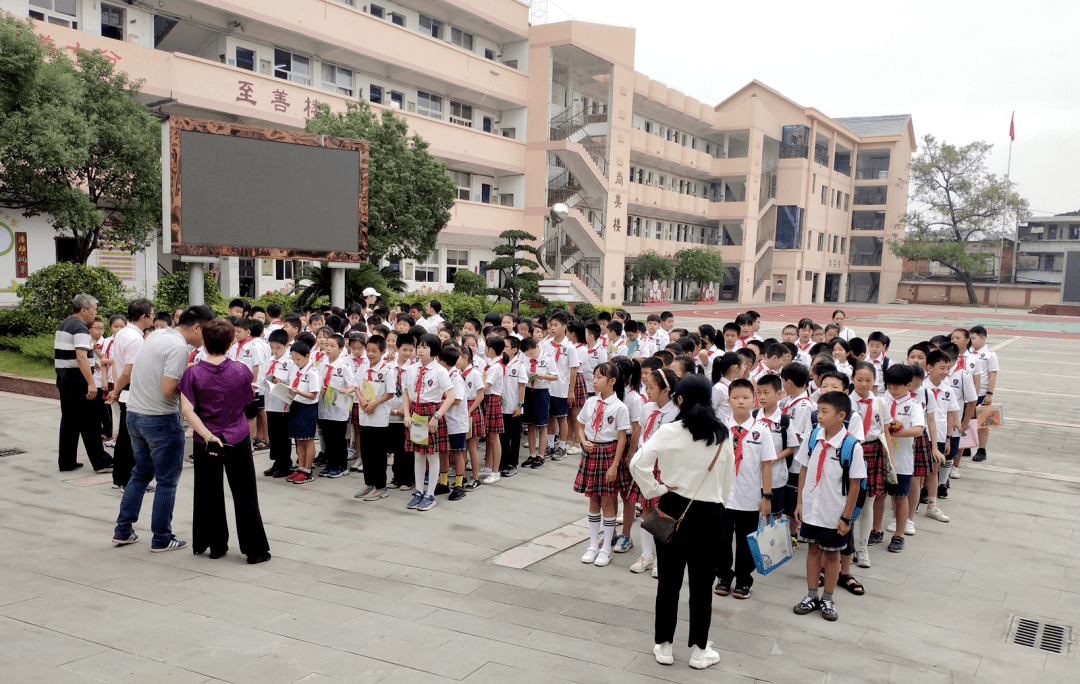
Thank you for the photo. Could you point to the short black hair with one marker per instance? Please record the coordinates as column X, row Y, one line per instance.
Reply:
column 200, row 313
column 615, row 327
column 242, row 303
column 741, row 382
column 796, row 373
column 878, row 336
column 527, row 344
column 162, row 316
column 733, row 327
column 977, row 330
column 273, row 310
column 377, row 340
column 840, row 402
column 278, row 336
column 405, row 339
column 771, row 381
column 437, row 307
column 937, row 356
column 749, row 354
column 898, row 374
column 300, row 347
column 775, row 351
column 449, row 355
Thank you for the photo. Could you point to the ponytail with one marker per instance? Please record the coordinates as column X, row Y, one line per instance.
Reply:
column 695, row 410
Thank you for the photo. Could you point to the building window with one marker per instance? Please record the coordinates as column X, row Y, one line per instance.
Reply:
column 56, row 12
column 428, row 272
column 456, row 259
column 835, row 241
column 489, row 54
column 509, row 133
column 337, row 79
column 871, row 194
column 397, row 100
column 489, row 124
column 461, row 39
column 821, row 242
column 843, row 244
column 824, row 195
column 463, row 180
column 283, row 269
column 430, row 27
column 506, row 199
column 1074, row 232
column 112, row 22
column 376, row 11
column 245, row 59
column 872, row 165
column 461, row 114
column 375, row 94
column 398, row 19
column 847, row 200
column 292, row 67
column 428, row 104
column 1052, row 232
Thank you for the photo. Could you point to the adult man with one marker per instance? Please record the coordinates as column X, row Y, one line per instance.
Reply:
column 157, row 437
column 128, row 342
column 72, row 357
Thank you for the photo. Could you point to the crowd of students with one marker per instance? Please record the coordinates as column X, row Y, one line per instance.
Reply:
column 823, row 422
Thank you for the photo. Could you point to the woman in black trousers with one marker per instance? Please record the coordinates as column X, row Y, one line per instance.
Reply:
column 696, row 462
column 213, row 394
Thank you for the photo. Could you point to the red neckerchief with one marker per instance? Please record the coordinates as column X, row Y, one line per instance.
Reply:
column 326, row 378
column 558, row 349
column 869, row 401
column 598, row 422
column 821, row 456
column 895, row 403
column 804, row 347
column 787, row 409
column 371, row 371
column 532, row 365
column 959, row 363
column 240, row 345
column 296, row 380
column 744, row 339
column 192, row 355
column 652, row 421
column 419, row 382
column 598, row 347
column 108, row 349
column 740, row 432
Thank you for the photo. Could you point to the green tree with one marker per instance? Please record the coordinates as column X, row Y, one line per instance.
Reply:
column 409, row 191
column 171, row 290
column 699, row 265
column 650, row 266
column 320, row 282
column 75, row 144
column 469, row 283
column 956, row 202
column 49, row 291
column 516, row 284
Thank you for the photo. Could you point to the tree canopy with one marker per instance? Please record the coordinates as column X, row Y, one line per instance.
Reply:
column 409, row 191
column 75, row 144
column 516, row 283
column 699, row 265
column 320, row 280
column 955, row 201
column 650, row 266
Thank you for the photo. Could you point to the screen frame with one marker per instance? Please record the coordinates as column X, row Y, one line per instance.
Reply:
column 176, row 124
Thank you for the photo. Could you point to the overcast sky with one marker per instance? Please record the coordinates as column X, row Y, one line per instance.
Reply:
column 958, row 67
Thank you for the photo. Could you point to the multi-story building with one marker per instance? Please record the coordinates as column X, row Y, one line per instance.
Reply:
column 1044, row 242
column 799, row 204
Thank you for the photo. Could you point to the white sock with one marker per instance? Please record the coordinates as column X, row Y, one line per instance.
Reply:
column 647, row 546
column 419, row 463
column 865, row 524
column 555, row 440
column 433, row 473
column 609, row 533
column 551, row 441
column 943, row 473
column 594, row 531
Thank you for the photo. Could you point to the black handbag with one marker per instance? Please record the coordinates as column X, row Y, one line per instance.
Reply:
column 662, row 526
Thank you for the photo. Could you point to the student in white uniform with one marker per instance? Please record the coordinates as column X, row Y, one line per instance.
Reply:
column 906, row 421
column 339, row 382
column 377, row 386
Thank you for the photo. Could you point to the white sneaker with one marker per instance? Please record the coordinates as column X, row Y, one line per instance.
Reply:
column 618, row 519
column 603, row 559
column 701, row 658
column 491, row 478
column 655, row 571
column 643, row 563
column 936, row 514
column 891, row 527
column 573, row 450
column 663, row 653
column 909, row 527
column 862, row 558
column 954, row 473
column 590, row 555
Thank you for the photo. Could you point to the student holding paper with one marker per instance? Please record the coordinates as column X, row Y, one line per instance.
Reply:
column 338, row 381
column 426, row 385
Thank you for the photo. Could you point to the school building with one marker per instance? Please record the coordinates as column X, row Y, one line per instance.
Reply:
column 800, row 204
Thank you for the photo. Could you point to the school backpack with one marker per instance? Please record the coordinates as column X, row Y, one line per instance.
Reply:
column 785, row 423
column 847, row 448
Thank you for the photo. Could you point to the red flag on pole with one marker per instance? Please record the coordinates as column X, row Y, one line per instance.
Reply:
column 1012, row 130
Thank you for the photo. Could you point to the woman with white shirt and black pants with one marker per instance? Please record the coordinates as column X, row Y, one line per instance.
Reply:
column 694, row 455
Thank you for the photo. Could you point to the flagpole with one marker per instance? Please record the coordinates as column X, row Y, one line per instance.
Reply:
column 1005, row 218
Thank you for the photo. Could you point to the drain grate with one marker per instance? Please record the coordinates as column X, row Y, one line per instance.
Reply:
column 1040, row 635
column 11, row 452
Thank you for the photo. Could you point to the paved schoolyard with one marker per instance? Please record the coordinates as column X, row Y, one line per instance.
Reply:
column 370, row 592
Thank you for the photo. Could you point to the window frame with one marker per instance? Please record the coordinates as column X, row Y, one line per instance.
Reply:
column 291, row 74
column 51, row 15
column 434, row 28
column 459, row 119
column 458, row 176
column 375, row 93
column 377, row 11
column 105, row 7
column 432, row 99
column 333, row 87
column 463, row 35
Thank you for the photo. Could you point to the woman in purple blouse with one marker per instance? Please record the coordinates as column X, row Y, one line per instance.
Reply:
column 213, row 394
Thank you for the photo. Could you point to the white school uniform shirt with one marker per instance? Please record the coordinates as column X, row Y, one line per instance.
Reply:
column 741, row 342
column 514, row 376
column 823, row 501
column 710, row 356
column 962, row 381
column 873, row 405
column 803, row 355
column 261, row 351
column 128, row 343
column 635, row 406
column 844, row 367
column 879, row 372
column 383, row 378
column 494, row 375
column 613, row 416
column 434, row 382
column 760, row 371
column 275, row 324
column 618, row 347
column 95, row 363
column 945, row 398
column 643, row 349
column 564, row 358
column 305, row 379
column 719, row 399
column 480, row 363
column 474, row 382
column 910, row 414
column 799, row 409
column 661, row 339
column 773, row 424
column 757, row 448
column 653, row 416
column 339, row 375
column 108, row 351
column 247, row 353
column 280, row 368
column 398, row 371
column 432, row 324
column 597, row 355
column 541, row 365
column 457, row 416
column 988, row 364
column 846, row 334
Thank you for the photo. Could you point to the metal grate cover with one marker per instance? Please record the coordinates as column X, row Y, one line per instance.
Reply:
column 1043, row 636
column 11, row 452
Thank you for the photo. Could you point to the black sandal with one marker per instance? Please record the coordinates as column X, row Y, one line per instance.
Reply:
column 851, row 584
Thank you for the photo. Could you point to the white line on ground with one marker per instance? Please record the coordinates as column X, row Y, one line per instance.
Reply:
column 1017, row 471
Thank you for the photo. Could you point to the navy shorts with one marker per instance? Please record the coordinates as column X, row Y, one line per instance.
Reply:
column 901, row 488
column 981, row 400
column 251, row 410
column 787, row 498
column 827, row 539
column 537, row 407
column 457, row 442
column 303, row 420
column 954, row 445
column 260, row 401
column 560, row 407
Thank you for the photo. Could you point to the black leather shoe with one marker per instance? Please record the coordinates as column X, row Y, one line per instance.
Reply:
column 252, row 560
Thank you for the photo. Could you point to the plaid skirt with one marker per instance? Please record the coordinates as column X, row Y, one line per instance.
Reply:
column 874, row 455
column 492, row 409
column 590, row 479
column 580, row 394
column 634, row 495
column 924, row 457
column 438, row 442
column 477, row 424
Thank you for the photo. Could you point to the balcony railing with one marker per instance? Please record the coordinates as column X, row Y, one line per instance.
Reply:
column 794, row 151
column 843, row 168
column 821, row 156
column 868, row 224
column 871, row 173
column 864, row 259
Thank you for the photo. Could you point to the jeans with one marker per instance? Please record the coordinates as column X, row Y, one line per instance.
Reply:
column 158, row 445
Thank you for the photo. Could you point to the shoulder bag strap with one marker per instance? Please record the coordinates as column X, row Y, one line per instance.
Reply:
column 716, row 456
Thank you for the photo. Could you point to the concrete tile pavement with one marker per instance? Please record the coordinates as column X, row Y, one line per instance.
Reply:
column 376, row 593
